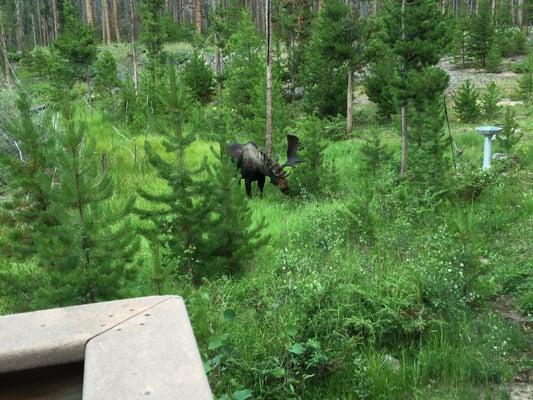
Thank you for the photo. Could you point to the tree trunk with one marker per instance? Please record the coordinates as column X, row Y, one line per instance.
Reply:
column 218, row 67
column 349, row 103
column 116, row 19
column 405, row 127
column 33, row 30
column 320, row 5
column 3, row 48
column 520, row 13
column 180, row 12
column 167, row 6
column 493, row 7
column 405, row 141
column 133, row 47
column 19, row 26
column 268, row 26
column 107, row 22
column 44, row 24
column 198, row 16
column 41, row 36
column 89, row 11
column 55, row 19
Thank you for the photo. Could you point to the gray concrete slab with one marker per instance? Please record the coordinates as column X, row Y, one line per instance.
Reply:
column 58, row 336
column 150, row 356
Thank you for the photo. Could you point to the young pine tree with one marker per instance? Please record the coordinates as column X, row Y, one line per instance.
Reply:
column 525, row 82
column 373, row 153
column 73, row 53
column 328, row 55
column 511, row 133
column 105, row 82
column 231, row 239
column 89, row 249
column 481, row 33
column 494, row 59
column 310, row 174
column 176, row 216
column 465, row 105
column 29, row 176
column 199, row 78
column 489, row 101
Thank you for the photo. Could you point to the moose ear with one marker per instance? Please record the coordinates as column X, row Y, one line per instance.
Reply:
column 292, row 150
column 276, row 159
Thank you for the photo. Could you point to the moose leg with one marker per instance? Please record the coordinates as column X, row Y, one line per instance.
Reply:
column 261, row 184
column 248, row 185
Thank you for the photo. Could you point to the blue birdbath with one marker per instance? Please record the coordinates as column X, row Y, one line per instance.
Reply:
column 488, row 132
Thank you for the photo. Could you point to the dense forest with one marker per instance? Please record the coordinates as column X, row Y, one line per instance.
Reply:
column 380, row 262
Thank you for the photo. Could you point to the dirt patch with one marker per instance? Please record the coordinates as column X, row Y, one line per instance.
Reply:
column 479, row 77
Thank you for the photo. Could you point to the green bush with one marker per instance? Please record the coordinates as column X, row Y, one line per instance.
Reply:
column 494, row 59
column 513, row 42
column 511, row 133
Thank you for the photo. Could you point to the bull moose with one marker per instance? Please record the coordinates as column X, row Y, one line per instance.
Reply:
column 255, row 165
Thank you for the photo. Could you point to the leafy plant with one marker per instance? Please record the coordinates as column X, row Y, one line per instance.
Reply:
column 510, row 134
column 199, row 78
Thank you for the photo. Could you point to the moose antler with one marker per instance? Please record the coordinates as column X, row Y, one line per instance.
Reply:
column 292, row 149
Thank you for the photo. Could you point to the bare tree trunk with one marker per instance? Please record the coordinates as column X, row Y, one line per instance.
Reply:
column 19, row 26
column 89, row 11
column 493, row 7
column 107, row 21
column 349, row 103
column 133, row 47
column 55, row 19
column 3, row 48
column 268, row 26
column 320, row 4
column 218, row 67
column 116, row 19
column 405, row 127
column 167, row 6
column 33, row 31
column 44, row 24
column 198, row 16
column 520, row 13
column 181, row 12
column 39, row 26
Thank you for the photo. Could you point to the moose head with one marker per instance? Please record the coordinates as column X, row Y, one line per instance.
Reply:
column 278, row 175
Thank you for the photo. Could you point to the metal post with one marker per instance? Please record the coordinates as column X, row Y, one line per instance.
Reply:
column 487, row 153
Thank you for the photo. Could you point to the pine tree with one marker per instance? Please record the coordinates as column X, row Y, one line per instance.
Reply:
column 310, row 174
column 89, row 249
column 510, row 134
column 525, row 82
column 379, row 84
column 494, row 59
column 29, row 180
column 231, row 239
column 73, row 52
column 329, row 54
column 153, row 36
column 176, row 218
column 199, row 78
column 106, row 81
column 373, row 153
column 489, row 101
column 481, row 33
column 417, row 33
column 465, row 105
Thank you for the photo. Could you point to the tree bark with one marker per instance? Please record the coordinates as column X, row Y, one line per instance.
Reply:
column 405, row 127
column 116, row 19
column 349, row 103
column 89, row 11
column 133, row 47
column 268, row 26
column 107, row 22
column 180, row 12
column 493, row 7
column 3, row 48
column 44, row 24
column 520, row 13
column 33, row 29
column 198, row 16
column 55, row 19
column 218, row 67
column 19, row 26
